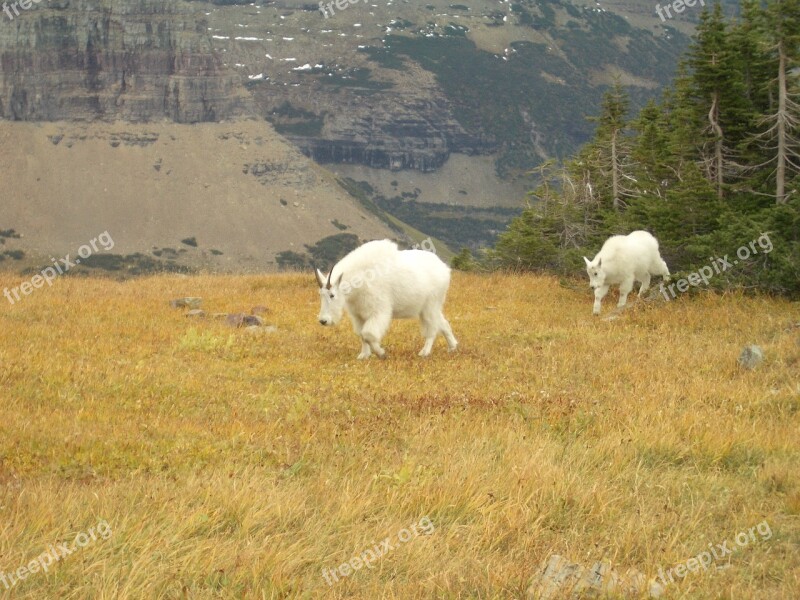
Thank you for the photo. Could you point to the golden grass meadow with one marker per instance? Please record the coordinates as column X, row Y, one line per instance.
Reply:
column 233, row 465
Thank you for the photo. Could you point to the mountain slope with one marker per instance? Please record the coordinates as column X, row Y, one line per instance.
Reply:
column 404, row 85
column 396, row 88
column 238, row 188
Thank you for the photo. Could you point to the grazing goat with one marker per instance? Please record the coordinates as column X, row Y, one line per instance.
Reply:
column 622, row 260
column 377, row 283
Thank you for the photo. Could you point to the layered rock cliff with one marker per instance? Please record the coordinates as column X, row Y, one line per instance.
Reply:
column 396, row 133
column 138, row 60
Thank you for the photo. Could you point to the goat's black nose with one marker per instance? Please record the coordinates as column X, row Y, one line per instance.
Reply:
column 322, row 321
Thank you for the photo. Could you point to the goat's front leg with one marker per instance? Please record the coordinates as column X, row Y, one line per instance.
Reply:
column 365, row 350
column 599, row 294
column 624, row 289
column 358, row 326
column 373, row 331
column 645, row 284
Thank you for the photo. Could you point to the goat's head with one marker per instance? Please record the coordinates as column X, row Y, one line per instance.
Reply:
column 331, row 298
column 597, row 275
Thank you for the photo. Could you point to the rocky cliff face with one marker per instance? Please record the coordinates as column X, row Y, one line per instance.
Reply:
column 405, row 85
column 137, row 60
column 395, row 133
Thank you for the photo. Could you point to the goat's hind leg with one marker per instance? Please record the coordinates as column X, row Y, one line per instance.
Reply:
column 447, row 332
column 433, row 323
column 430, row 330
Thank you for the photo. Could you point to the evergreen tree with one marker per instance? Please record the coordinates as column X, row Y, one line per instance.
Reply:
column 606, row 157
column 783, row 119
column 717, row 90
column 710, row 168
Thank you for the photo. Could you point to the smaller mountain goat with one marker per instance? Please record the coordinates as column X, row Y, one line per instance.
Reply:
column 622, row 260
column 377, row 283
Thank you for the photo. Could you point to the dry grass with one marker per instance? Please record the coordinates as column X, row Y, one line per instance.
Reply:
column 231, row 465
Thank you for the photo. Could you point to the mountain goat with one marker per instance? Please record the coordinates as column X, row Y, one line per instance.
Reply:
column 376, row 283
column 622, row 260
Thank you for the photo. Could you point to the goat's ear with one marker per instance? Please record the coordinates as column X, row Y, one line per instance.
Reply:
column 587, row 261
column 599, row 260
column 320, row 277
column 339, row 280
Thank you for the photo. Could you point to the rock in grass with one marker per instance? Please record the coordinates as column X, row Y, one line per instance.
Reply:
column 235, row 319
column 257, row 330
column 197, row 313
column 188, row 302
column 252, row 321
column 560, row 578
column 750, row 357
column 243, row 320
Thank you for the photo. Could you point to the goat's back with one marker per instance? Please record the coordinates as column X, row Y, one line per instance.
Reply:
column 632, row 253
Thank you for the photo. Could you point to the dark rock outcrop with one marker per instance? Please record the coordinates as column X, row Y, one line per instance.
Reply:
column 393, row 132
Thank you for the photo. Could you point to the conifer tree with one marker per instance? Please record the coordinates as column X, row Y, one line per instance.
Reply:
column 606, row 157
column 783, row 121
column 717, row 87
column 709, row 168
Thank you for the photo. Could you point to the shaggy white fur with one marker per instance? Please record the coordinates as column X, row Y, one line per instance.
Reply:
column 622, row 260
column 376, row 283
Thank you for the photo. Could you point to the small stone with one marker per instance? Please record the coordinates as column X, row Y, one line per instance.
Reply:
column 560, row 578
column 197, row 313
column 188, row 302
column 257, row 330
column 252, row 320
column 254, row 329
column 750, row 357
column 235, row 319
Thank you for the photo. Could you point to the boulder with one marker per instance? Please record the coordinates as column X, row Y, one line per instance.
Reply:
column 750, row 357
column 188, row 302
column 560, row 578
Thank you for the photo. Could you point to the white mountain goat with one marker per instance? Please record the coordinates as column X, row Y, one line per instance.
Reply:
column 621, row 260
column 377, row 283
